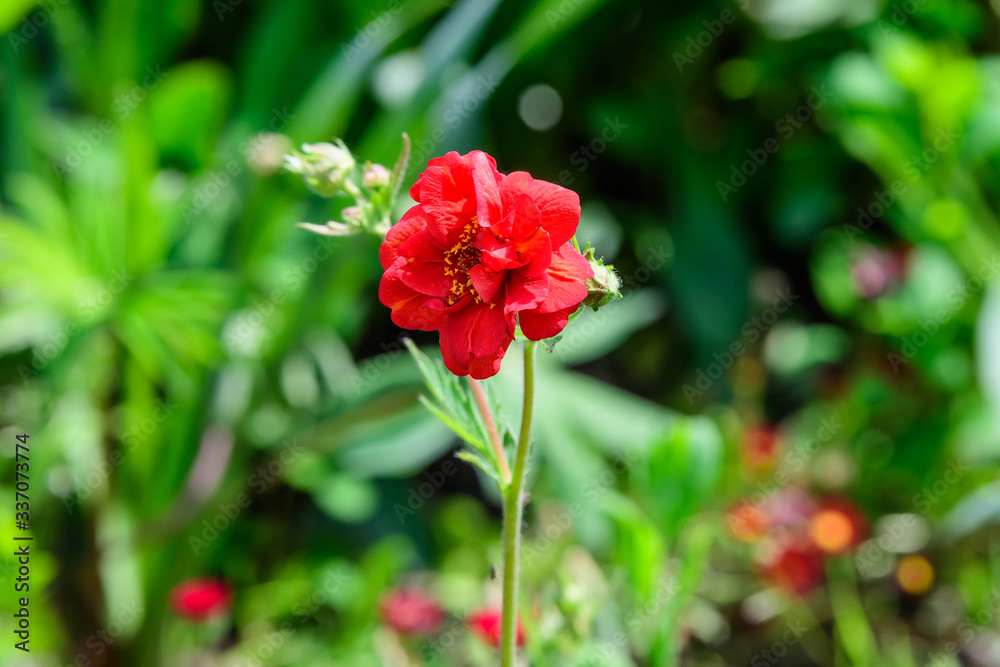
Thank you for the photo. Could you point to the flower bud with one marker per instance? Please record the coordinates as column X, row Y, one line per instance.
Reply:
column 266, row 152
column 411, row 612
column 604, row 287
column 198, row 600
column 351, row 215
column 324, row 167
column 486, row 624
column 375, row 176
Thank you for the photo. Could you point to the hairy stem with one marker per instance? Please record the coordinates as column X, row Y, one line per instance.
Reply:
column 491, row 426
column 512, row 516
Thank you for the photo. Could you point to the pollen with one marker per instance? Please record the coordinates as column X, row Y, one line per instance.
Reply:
column 459, row 260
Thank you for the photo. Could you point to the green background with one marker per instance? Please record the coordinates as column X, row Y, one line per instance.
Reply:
column 170, row 340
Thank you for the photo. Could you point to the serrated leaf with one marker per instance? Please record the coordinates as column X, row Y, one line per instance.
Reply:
column 451, row 423
column 453, row 405
column 481, row 463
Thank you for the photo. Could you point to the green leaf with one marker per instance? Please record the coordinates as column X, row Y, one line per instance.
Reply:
column 594, row 334
column 187, row 111
column 481, row 463
column 456, row 408
column 693, row 560
column 452, row 423
column 641, row 544
column 11, row 12
column 394, row 438
column 682, row 471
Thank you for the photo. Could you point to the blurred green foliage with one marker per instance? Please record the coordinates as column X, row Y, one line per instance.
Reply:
column 801, row 200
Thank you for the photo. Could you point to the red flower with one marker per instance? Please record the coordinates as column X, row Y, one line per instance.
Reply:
column 796, row 569
column 479, row 253
column 838, row 526
column 412, row 612
column 761, row 445
column 746, row 521
column 200, row 599
column 486, row 623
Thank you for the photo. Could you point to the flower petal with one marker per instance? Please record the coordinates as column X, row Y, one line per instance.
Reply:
column 525, row 292
column 427, row 277
column 537, row 251
column 559, row 207
column 474, row 339
column 421, row 246
column 412, row 222
column 567, row 274
column 409, row 307
column 487, row 281
column 447, row 195
column 497, row 254
column 485, row 178
column 539, row 326
column 525, row 218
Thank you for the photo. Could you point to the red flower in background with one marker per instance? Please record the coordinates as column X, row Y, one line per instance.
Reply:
column 796, row 568
column 799, row 533
column 876, row 271
column 761, row 445
column 838, row 526
column 411, row 612
column 479, row 253
column 200, row 599
column 486, row 624
column 746, row 521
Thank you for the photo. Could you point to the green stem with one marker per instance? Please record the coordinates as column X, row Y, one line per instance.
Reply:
column 512, row 515
column 352, row 189
column 491, row 428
